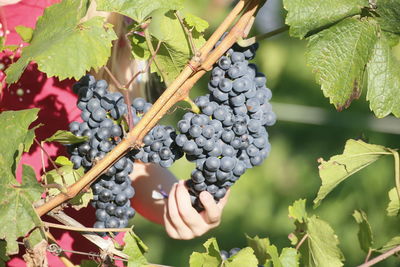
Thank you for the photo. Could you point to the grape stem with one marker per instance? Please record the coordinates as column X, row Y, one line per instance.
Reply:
column 187, row 31
column 147, row 37
column 84, row 229
column 255, row 39
column 177, row 91
column 51, row 161
column 380, row 258
column 106, row 245
column 302, row 241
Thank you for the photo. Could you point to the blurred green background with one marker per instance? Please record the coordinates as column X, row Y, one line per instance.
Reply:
column 259, row 200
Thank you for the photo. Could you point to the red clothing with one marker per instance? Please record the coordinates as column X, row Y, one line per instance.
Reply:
column 57, row 105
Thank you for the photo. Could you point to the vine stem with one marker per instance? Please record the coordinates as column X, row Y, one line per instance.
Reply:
column 178, row 90
column 84, row 229
column 396, row 170
column 301, row 241
column 147, row 37
column 103, row 244
column 380, row 258
column 257, row 38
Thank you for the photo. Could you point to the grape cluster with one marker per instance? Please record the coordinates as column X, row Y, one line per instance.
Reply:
column 101, row 112
column 229, row 136
column 226, row 255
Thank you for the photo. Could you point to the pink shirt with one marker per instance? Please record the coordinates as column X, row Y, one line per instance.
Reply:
column 57, row 105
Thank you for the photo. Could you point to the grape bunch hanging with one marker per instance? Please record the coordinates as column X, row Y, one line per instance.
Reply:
column 227, row 137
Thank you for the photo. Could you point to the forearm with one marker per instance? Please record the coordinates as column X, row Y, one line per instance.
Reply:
column 145, row 179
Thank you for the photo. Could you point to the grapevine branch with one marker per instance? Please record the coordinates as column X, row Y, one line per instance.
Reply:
column 85, row 229
column 177, row 91
column 382, row 257
column 106, row 245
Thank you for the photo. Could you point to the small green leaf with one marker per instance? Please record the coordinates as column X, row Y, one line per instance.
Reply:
column 389, row 15
column 259, row 246
column 17, row 213
column 322, row 245
column 245, row 257
column 25, row 33
column 383, row 79
column 134, row 249
column 393, row 208
column 364, row 231
column 338, row 57
column 211, row 257
column 138, row 10
column 394, row 242
column 63, row 46
column 289, row 257
column 63, row 161
column 3, row 256
column 356, row 156
column 274, row 255
column 35, row 238
column 298, row 210
column 14, row 125
column 305, row 16
column 70, row 176
column 199, row 24
column 66, row 138
column 175, row 51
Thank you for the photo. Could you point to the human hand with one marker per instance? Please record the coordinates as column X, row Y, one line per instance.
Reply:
column 8, row 2
column 182, row 221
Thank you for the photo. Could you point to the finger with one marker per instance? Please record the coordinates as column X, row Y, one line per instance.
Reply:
column 183, row 230
column 169, row 227
column 188, row 214
column 212, row 212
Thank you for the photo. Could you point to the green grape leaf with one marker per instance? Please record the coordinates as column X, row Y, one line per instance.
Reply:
column 199, row 24
column 175, row 51
column 383, row 79
column 339, row 55
column 64, row 46
column 305, row 16
column 3, row 255
column 393, row 208
column 356, row 155
column 14, row 125
column 63, row 161
column 30, row 137
column 389, row 15
column 364, row 234
column 298, row 210
column 138, row 10
column 66, row 137
column 289, row 257
column 134, row 248
column 259, row 246
column 17, row 213
column 274, row 255
column 211, row 257
column 245, row 257
column 25, row 33
column 321, row 248
column 394, row 242
column 70, row 176
column 34, row 238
